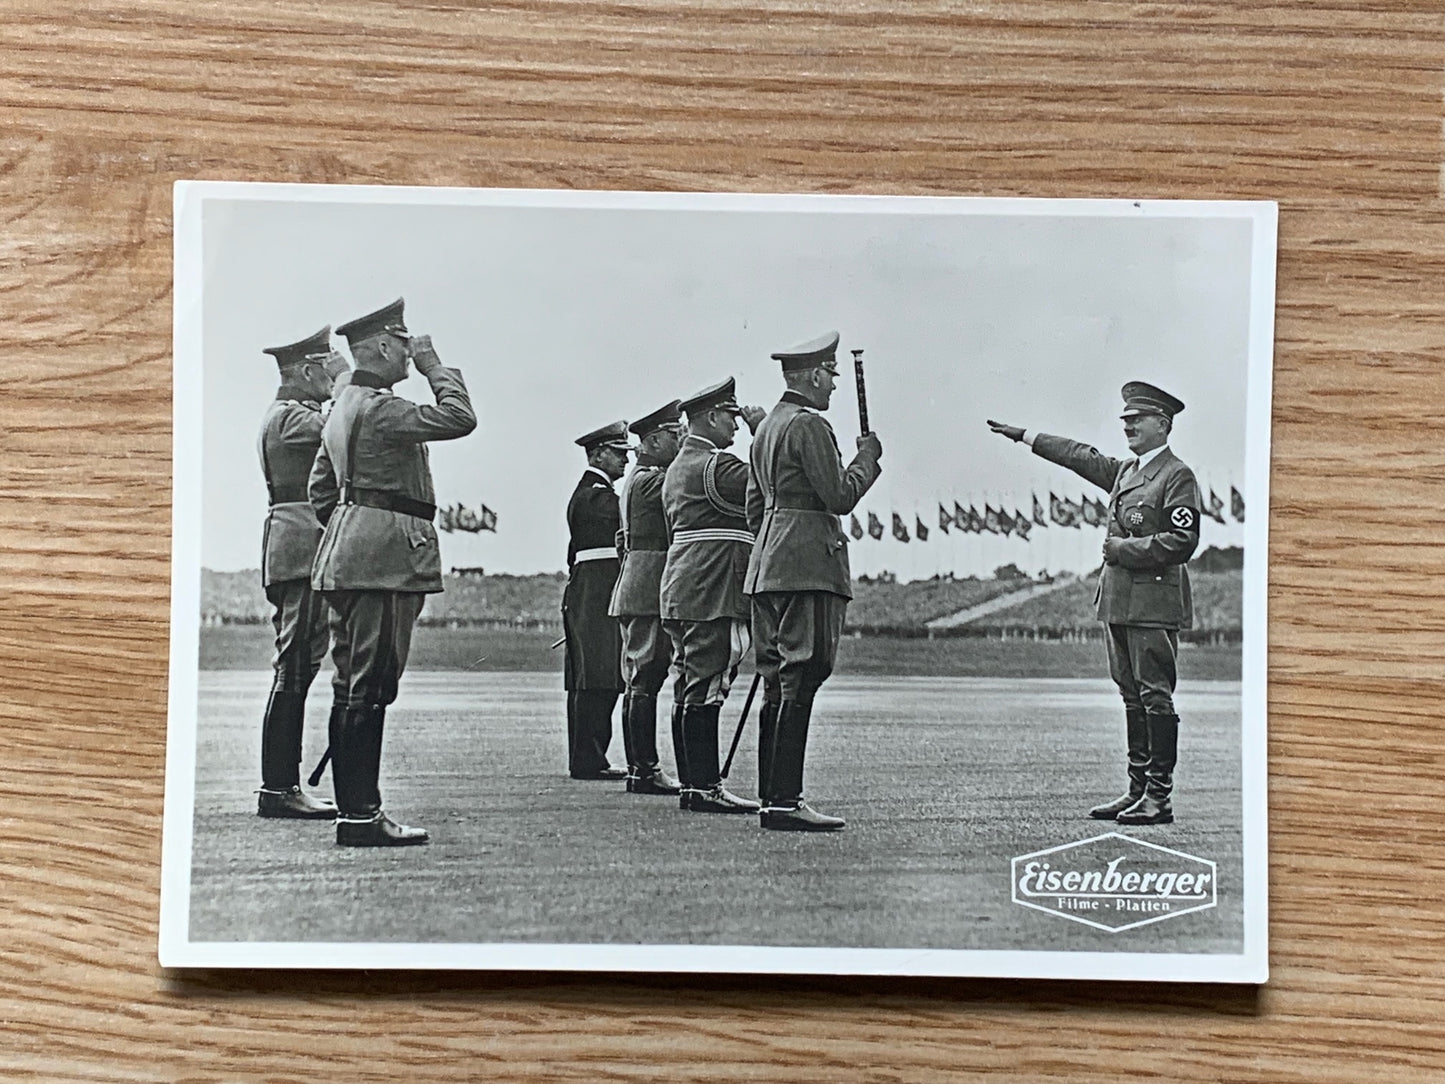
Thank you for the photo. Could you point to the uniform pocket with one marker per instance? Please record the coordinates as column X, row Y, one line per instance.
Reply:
column 418, row 532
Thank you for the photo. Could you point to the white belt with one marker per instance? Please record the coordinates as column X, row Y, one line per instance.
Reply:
column 601, row 553
column 713, row 534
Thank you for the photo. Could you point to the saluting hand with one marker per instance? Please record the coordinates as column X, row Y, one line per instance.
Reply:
column 335, row 364
column 1013, row 432
column 754, row 416
column 423, row 355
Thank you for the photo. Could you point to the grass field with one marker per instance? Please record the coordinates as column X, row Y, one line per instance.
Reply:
column 943, row 780
column 248, row 647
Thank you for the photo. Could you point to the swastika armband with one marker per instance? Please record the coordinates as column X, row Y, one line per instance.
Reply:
column 1182, row 517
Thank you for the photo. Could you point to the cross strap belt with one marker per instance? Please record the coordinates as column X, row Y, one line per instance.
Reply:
column 388, row 501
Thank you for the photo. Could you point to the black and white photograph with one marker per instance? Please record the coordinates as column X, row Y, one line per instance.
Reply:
column 719, row 583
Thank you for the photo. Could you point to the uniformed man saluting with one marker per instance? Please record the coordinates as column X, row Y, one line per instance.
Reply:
column 1143, row 594
column 378, row 559
column 646, row 649
column 704, row 609
column 798, row 577
column 592, row 670
column 290, row 435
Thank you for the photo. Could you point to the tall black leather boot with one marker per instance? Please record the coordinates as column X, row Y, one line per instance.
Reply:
column 1156, row 807
column 1137, row 736
column 281, row 795
column 767, row 732
column 699, row 725
column 648, row 776
column 679, row 753
column 356, row 760
column 627, row 744
column 786, row 811
column 356, row 770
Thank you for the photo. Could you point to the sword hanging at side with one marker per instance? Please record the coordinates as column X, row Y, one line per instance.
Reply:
column 862, row 393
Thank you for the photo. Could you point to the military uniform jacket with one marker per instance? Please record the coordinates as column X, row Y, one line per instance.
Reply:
column 1156, row 514
column 290, row 435
column 594, row 639
column 376, row 549
column 704, row 498
column 642, row 544
column 799, row 488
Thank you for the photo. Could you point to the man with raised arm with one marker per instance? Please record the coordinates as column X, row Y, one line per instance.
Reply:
column 378, row 560
column 704, row 609
column 646, row 649
column 798, row 576
column 1143, row 595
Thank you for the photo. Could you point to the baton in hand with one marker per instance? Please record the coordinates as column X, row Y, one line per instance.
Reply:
column 737, row 737
column 862, row 393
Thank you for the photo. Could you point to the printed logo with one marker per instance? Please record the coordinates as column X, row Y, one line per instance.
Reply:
column 1114, row 882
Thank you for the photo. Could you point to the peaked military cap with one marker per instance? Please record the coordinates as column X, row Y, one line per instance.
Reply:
column 1142, row 398
column 667, row 415
column 306, row 349
column 612, row 435
column 386, row 318
column 810, row 355
column 717, row 397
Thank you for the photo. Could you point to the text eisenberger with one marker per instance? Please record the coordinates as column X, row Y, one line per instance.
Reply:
column 1039, row 878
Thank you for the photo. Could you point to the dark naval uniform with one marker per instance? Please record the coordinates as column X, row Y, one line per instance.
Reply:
column 704, row 609
column 798, row 576
column 1144, row 598
column 290, row 435
column 646, row 649
column 378, row 559
column 592, row 669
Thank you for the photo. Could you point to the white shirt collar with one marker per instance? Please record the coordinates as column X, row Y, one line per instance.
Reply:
column 600, row 473
column 1149, row 457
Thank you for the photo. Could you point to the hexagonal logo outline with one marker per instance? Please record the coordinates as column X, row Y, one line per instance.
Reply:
column 1115, row 895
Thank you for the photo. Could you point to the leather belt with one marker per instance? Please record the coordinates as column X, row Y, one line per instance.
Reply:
column 289, row 495
column 389, row 502
column 712, row 534
column 600, row 553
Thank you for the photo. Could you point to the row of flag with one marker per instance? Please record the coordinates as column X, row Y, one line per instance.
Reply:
column 458, row 517
column 1062, row 512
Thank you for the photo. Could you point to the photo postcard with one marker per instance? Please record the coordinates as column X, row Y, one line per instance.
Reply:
column 719, row 583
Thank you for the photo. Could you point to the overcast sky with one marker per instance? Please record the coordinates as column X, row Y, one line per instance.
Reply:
column 564, row 318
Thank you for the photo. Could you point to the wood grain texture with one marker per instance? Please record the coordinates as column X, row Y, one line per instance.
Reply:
column 1334, row 109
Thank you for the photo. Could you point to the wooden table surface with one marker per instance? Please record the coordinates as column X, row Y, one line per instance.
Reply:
column 1334, row 109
